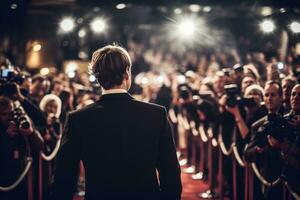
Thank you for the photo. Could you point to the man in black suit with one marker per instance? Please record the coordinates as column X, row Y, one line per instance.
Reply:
column 266, row 156
column 126, row 145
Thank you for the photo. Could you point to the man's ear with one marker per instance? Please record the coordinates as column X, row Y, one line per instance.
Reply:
column 127, row 75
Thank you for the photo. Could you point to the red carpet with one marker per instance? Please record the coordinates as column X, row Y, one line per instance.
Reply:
column 191, row 188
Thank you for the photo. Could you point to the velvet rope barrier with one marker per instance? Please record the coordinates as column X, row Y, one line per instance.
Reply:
column 203, row 136
column 54, row 152
column 21, row 177
column 222, row 146
column 292, row 192
column 262, row 179
column 237, row 155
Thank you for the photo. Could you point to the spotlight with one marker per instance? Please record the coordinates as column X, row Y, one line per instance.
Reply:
column 120, row 6
column 186, row 28
column 267, row 26
column 207, row 9
column 177, row 11
column 44, row 71
column 195, row 7
column 295, row 27
column 82, row 33
column 98, row 25
column 266, row 11
column 67, row 25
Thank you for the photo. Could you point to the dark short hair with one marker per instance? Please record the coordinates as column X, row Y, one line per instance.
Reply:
column 4, row 102
column 109, row 65
column 272, row 82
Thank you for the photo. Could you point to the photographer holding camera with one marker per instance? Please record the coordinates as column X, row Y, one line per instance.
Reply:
column 18, row 139
column 261, row 148
column 243, row 111
column 290, row 148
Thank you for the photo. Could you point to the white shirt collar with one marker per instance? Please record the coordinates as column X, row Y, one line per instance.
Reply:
column 113, row 91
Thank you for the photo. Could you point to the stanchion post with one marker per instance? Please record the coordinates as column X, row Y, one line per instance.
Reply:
column 220, row 173
column 234, row 178
column 210, row 193
column 246, row 197
column 40, row 178
column 30, row 183
column 251, row 182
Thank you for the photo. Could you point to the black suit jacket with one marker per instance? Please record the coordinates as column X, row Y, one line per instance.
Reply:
column 123, row 143
column 269, row 160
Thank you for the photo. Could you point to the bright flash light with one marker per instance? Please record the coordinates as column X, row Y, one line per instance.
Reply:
column 82, row 33
column 280, row 65
column 92, row 78
column 186, row 28
column 195, row 7
column 44, row 71
column 37, row 47
column 207, row 9
column 181, row 79
column 177, row 11
column 98, row 25
column 295, row 27
column 67, row 25
column 266, row 11
column 71, row 74
column 121, row 6
column 267, row 26
column 71, row 67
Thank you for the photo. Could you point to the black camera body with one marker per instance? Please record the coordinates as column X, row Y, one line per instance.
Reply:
column 184, row 91
column 20, row 119
column 275, row 126
column 8, row 78
column 233, row 97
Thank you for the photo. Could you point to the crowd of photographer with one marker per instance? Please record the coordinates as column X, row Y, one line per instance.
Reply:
column 252, row 109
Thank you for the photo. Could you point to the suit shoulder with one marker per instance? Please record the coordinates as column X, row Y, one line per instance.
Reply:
column 149, row 106
column 259, row 122
column 82, row 111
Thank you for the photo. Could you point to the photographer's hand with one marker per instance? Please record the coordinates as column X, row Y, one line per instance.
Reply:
column 26, row 131
column 18, row 95
column 282, row 146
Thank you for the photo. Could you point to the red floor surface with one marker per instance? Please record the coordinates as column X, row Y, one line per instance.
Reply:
column 191, row 188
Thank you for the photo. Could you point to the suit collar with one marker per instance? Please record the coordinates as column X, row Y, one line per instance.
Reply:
column 116, row 96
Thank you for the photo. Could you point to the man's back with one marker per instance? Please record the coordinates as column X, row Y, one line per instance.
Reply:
column 121, row 142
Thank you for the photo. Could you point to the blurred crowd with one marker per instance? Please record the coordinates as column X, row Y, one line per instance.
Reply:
column 254, row 104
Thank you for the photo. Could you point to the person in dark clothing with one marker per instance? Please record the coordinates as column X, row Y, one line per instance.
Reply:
column 267, row 158
column 16, row 143
column 123, row 143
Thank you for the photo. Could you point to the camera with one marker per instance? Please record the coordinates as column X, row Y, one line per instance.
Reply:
column 184, row 91
column 227, row 72
column 8, row 78
column 275, row 126
column 20, row 119
column 233, row 97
